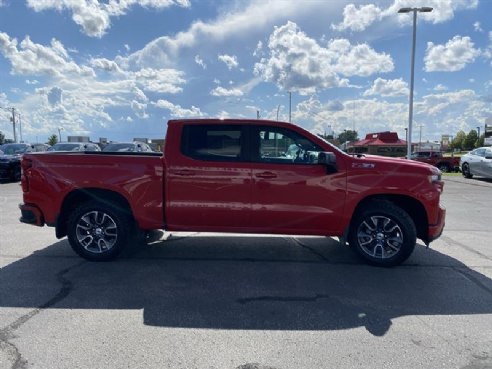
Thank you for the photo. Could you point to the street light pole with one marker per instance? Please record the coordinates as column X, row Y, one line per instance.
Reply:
column 412, row 71
column 59, row 133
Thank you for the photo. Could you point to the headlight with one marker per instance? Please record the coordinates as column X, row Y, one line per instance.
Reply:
column 435, row 177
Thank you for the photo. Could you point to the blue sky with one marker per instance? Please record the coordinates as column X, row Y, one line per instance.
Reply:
column 121, row 68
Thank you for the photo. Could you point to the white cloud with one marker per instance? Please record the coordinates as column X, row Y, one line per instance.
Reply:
column 440, row 87
column 384, row 87
column 32, row 82
column 200, row 62
column 221, row 91
column 443, row 10
column 94, row 16
column 358, row 19
column 229, row 60
column 139, row 109
column 454, row 56
column 243, row 20
column 177, row 111
column 35, row 59
column 160, row 80
column 477, row 27
column 298, row 63
column 140, row 95
column 106, row 65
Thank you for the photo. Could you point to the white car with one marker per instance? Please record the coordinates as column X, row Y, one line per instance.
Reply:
column 477, row 163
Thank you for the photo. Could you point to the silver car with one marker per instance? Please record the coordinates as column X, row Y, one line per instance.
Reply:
column 477, row 163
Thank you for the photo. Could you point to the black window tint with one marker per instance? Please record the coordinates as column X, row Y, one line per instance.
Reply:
column 208, row 142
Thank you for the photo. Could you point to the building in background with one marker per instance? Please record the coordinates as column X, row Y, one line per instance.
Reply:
column 78, row 139
column 380, row 143
column 488, row 132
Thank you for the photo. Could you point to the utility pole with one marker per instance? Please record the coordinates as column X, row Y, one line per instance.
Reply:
column 420, row 137
column 13, row 122
column 412, row 71
column 290, row 107
column 20, row 129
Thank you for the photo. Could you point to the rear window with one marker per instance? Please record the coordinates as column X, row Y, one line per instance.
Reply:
column 213, row 143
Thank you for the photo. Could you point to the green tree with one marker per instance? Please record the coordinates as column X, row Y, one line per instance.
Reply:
column 480, row 141
column 2, row 138
column 53, row 139
column 348, row 135
column 458, row 140
column 470, row 140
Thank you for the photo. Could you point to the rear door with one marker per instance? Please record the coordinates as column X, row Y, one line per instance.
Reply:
column 292, row 193
column 209, row 180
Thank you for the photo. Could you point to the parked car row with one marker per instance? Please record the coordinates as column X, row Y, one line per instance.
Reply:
column 10, row 154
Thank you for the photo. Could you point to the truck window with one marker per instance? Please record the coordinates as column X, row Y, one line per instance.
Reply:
column 277, row 145
column 212, row 143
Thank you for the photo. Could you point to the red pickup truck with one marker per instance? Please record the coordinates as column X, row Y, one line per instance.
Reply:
column 242, row 176
column 436, row 158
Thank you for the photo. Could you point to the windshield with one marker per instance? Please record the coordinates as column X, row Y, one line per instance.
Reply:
column 120, row 147
column 65, row 147
column 13, row 149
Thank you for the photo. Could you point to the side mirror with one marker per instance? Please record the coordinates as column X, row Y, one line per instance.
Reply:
column 329, row 160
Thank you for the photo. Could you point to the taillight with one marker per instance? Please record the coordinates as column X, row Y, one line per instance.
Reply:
column 26, row 166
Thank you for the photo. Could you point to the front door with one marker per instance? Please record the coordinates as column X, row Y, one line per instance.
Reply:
column 292, row 193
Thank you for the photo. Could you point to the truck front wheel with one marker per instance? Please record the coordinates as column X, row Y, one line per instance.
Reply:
column 383, row 234
column 97, row 231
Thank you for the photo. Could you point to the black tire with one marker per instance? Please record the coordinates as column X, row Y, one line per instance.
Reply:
column 465, row 170
column 98, row 232
column 383, row 234
column 444, row 167
column 16, row 174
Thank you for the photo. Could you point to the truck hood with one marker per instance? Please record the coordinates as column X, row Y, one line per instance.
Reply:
column 6, row 158
column 382, row 163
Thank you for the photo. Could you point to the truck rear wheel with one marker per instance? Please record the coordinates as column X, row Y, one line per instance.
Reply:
column 97, row 231
column 383, row 234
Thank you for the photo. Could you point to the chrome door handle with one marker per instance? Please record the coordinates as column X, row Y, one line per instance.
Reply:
column 266, row 175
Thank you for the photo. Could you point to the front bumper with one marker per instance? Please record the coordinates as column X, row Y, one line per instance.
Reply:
column 435, row 230
column 30, row 214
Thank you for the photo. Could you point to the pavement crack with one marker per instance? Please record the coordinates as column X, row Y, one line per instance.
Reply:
column 313, row 251
column 7, row 333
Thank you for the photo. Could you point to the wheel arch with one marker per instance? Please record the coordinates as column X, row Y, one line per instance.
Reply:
column 410, row 205
column 81, row 195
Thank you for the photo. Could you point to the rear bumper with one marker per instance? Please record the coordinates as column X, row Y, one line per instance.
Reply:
column 30, row 214
column 435, row 230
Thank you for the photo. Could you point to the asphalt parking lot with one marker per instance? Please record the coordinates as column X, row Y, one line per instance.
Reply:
column 226, row 302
